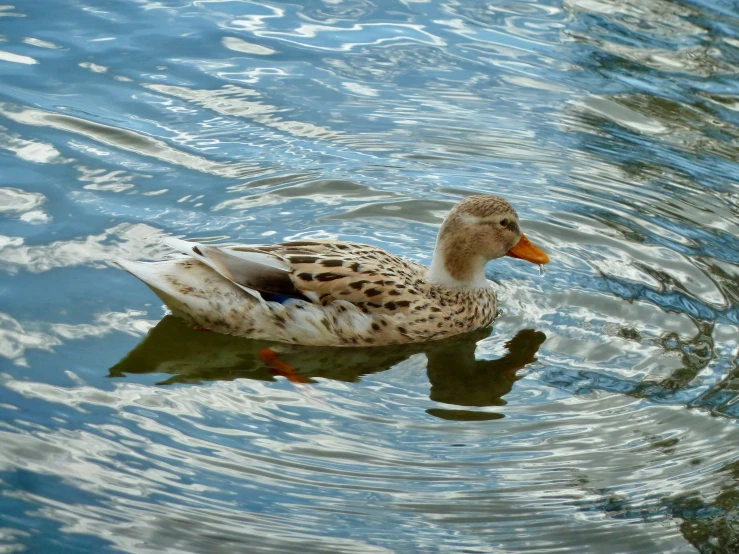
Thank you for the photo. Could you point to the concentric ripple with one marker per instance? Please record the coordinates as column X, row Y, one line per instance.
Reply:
column 599, row 415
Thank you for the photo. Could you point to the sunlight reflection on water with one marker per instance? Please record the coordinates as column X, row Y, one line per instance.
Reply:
column 599, row 415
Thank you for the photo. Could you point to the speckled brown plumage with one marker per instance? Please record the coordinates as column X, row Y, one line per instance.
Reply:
column 338, row 293
column 382, row 284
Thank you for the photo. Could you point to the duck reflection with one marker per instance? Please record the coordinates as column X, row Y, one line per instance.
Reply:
column 456, row 377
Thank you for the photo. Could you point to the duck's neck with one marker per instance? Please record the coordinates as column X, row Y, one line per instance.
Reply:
column 452, row 266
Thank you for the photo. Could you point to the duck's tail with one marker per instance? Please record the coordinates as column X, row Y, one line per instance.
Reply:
column 178, row 283
column 158, row 277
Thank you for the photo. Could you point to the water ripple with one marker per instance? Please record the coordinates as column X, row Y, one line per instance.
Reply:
column 598, row 415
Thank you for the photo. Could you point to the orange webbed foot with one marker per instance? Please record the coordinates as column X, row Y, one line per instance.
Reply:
column 278, row 367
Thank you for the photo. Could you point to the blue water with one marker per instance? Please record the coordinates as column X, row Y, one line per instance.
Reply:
column 600, row 415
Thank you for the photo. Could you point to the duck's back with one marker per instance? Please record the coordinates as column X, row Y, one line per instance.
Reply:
column 313, row 292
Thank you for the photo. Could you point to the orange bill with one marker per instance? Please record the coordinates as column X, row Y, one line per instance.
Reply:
column 525, row 250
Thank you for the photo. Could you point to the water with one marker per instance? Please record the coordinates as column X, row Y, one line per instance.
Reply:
column 600, row 415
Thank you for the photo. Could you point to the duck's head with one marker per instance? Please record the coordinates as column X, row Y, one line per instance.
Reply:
column 477, row 230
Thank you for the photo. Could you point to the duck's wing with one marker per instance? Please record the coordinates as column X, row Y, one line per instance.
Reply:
column 249, row 269
column 316, row 271
column 358, row 273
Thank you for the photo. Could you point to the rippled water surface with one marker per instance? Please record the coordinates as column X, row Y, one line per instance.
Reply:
column 600, row 415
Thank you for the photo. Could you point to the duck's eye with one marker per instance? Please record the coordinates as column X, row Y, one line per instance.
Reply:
column 504, row 223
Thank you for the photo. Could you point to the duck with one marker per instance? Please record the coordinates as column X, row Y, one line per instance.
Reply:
column 336, row 293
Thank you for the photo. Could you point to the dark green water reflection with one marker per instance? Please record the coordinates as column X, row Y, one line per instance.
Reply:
column 455, row 375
